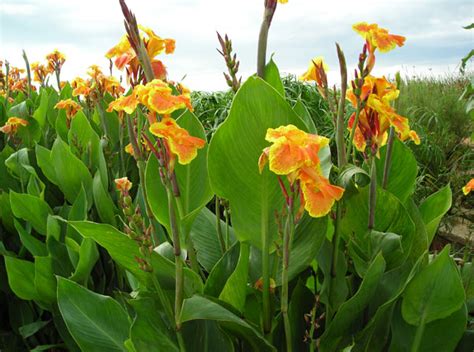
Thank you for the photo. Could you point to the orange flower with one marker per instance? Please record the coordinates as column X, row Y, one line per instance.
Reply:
column 378, row 115
column 80, row 87
column 70, row 106
column 377, row 38
column 55, row 60
column 291, row 150
column 40, row 72
column 179, row 141
column 317, row 193
column 317, row 72
column 123, row 185
column 156, row 96
column 295, row 153
column 12, row 125
column 468, row 187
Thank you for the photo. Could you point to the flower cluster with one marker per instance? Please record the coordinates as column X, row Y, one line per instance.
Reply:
column 12, row 125
column 97, row 85
column 377, row 115
column 294, row 153
column 125, row 56
column 54, row 62
column 70, row 106
column 317, row 72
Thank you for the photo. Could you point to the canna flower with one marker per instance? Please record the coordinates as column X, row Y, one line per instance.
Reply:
column 40, row 72
column 156, row 96
column 56, row 60
column 282, row 1
column 123, row 185
column 295, row 153
column 70, row 106
column 377, row 38
column 317, row 72
column 12, row 125
column 80, row 87
column 178, row 140
column 468, row 187
column 378, row 115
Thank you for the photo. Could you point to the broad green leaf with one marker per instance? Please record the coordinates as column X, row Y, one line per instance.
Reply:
column 347, row 319
column 149, row 332
column 21, row 275
column 420, row 240
column 45, row 281
column 97, row 322
column 433, row 208
column 390, row 217
column 440, row 335
column 32, row 328
column 31, row 243
column 42, row 110
column 192, row 179
column 206, row 242
column 43, row 157
column 205, row 335
column 71, row 173
column 301, row 302
column 199, row 307
column 124, row 251
column 88, row 256
column 32, row 209
column 271, row 75
column 304, row 114
column 103, row 202
column 87, row 143
column 403, row 170
column 306, row 243
column 233, row 159
column 235, row 289
column 434, row 293
column 221, row 271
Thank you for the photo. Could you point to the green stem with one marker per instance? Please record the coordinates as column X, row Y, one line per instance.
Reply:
column 121, row 151
column 103, row 119
column 58, row 81
column 28, row 73
column 287, row 236
column 7, row 82
column 218, row 225
column 388, row 158
column 270, row 7
column 372, row 193
column 341, row 149
column 415, row 347
column 162, row 297
column 179, row 275
column 267, row 318
column 227, row 227
column 334, row 259
column 350, row 147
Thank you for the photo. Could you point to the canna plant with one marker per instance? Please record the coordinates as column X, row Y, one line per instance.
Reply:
column 112, row 241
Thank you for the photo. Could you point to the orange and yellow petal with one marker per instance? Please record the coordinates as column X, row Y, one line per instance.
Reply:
column 123, row 185
column 263, row 159
column 319, row 195
column 180, row 142
column 468, row 187
column 127, row 103
column 314, row 72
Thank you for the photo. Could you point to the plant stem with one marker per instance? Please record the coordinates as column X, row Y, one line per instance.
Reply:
column 415, row 347
column 350, row 147
column 341, row 150
column 270, row 7
column 388, row 158
column 103, row 120
column 28, row 73
column 162, row 297
column 218, row 225
column 179, row 275
column 58, row 81
column 267, row 318
column 287, row 237
column 372, row 193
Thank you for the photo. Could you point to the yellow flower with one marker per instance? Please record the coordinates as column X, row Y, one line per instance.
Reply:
column 12, row 125
column 468, row 187
column 80, row 87
column 295, row 153
column 56, row 60
column 40, row 72
column 282, row 1
column 317, row 72
column 378, row 115
column 123, row 185
column 70, row 106
column 378, row 38
column 179, row 141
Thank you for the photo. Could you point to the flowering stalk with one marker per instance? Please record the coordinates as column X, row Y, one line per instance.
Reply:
column 372, row 193
column 270, row 7
column 218, row 225
column 28, row 73
column 341, row 150
column 7, row 83
column 231, row 63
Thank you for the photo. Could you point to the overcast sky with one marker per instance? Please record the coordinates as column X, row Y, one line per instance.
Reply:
column 84, row 30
